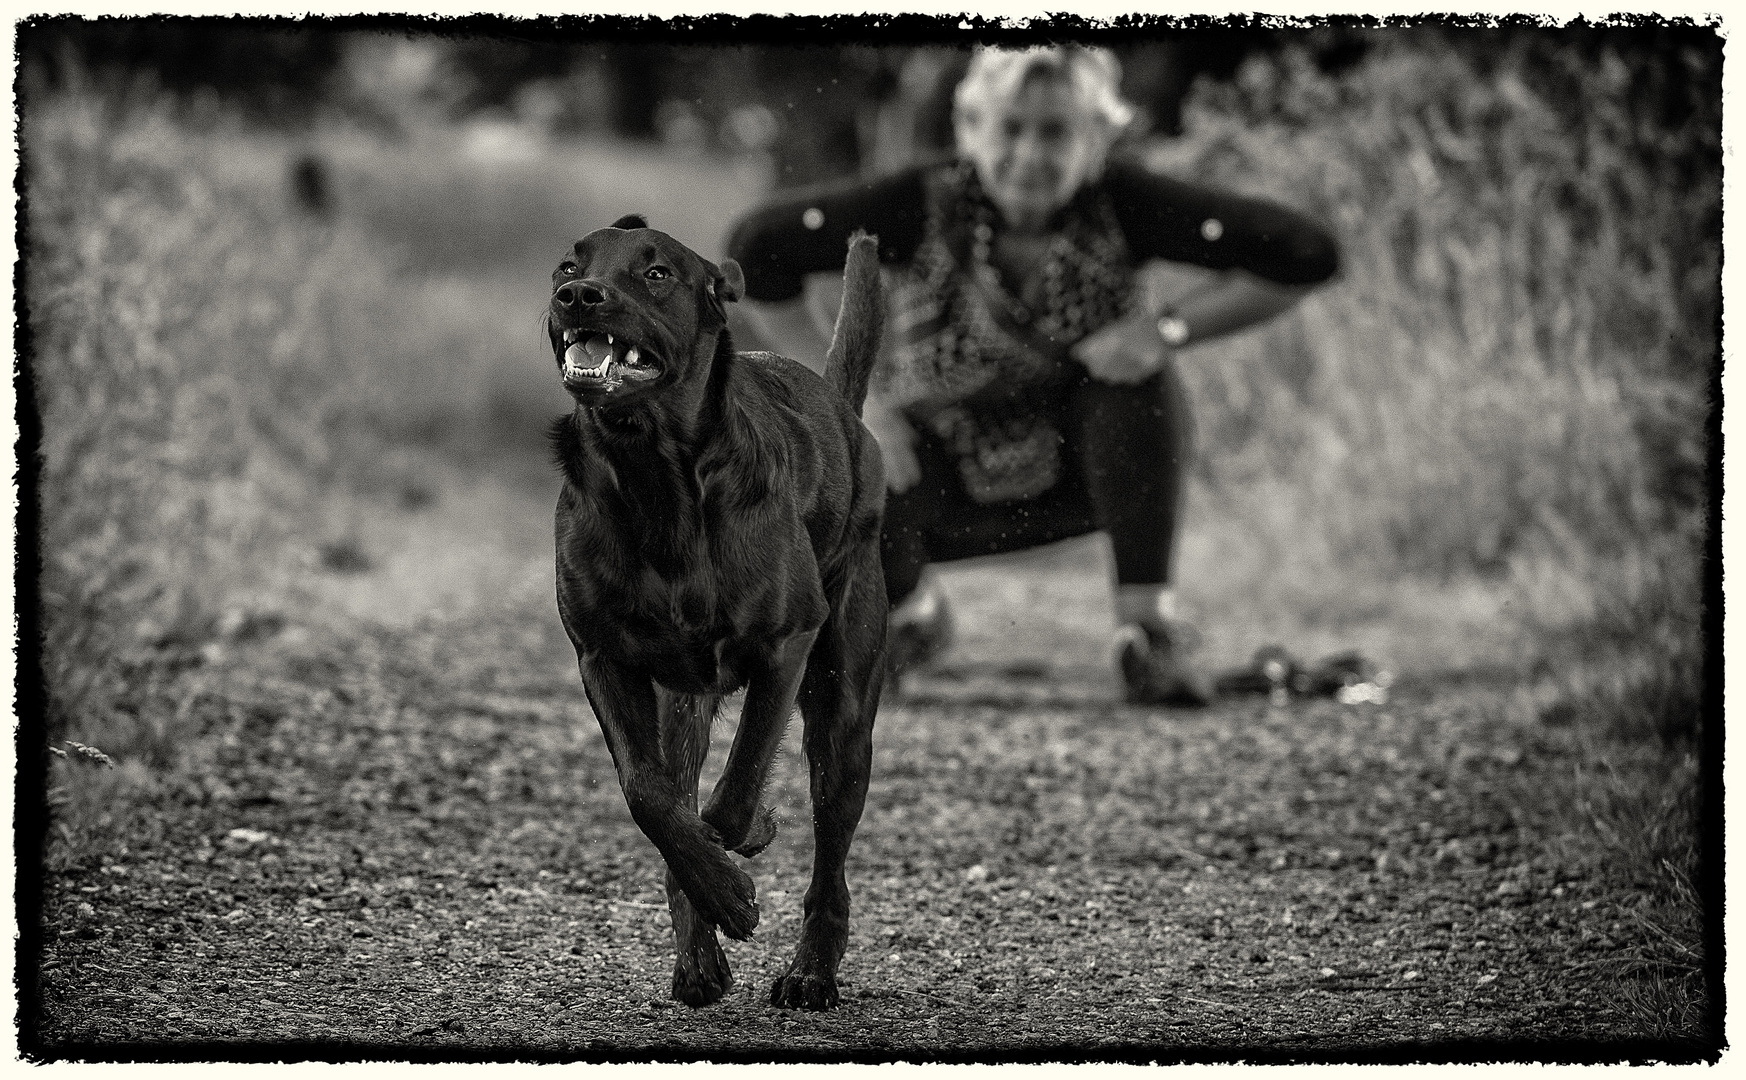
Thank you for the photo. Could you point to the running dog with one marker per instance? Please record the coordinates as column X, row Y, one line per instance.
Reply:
column 719, row 529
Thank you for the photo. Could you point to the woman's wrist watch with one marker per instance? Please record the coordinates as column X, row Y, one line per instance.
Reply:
column 1173, row 329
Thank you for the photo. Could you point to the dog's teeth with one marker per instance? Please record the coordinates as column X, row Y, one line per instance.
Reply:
column 630, row 356
column 569, row 336
column 609, row 339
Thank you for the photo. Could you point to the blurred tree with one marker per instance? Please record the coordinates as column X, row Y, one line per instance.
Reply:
column 489, row 70
column 277, row 71
column 1549, row 201
column 1158, row 69
column 823, row 98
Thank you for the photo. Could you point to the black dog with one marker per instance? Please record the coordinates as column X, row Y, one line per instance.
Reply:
column 719, row 529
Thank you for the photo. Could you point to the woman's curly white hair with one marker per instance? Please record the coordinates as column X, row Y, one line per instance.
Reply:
column 1095, row 75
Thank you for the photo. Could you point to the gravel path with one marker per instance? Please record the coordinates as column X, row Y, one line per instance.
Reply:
column 403, row 838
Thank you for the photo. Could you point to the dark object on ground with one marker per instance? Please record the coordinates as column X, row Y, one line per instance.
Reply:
column 311, row 188
column 1276, row 672
column 719, row 529
column 1156, row 670
column 345, row 556
column 1270, row 672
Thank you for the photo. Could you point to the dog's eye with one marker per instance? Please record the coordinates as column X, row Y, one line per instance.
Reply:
column 568, row 269
column 657, row 273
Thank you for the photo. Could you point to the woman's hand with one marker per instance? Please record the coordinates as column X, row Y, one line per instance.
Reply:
column 1131, row 351
column 896, row 443
column 1124, row 352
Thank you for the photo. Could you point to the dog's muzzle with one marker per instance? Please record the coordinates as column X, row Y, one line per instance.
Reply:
column 601, row 361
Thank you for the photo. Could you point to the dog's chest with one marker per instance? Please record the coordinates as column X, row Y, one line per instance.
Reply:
column 694, row 618
column 686, row 637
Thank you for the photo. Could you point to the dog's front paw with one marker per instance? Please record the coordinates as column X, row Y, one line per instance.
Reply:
column 748, row 837
column 758, row 837
column 727, row 898
column 804, row 990
column 702, row 977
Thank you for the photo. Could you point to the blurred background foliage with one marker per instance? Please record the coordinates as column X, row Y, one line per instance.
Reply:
column 277, row 272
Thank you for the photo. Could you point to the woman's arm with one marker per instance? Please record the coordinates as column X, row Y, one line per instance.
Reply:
column 1130, row 350
column 807, row 232
column 1164, row 218
column 1270, row 258
column 780, row 245
column 1232, row 301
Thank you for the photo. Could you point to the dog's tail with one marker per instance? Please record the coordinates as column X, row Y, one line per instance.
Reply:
column 860, row 322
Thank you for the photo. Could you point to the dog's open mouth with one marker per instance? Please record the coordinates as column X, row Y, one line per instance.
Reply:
column 602, row 362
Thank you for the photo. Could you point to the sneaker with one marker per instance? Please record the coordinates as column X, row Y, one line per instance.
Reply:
column 917, row 642
column 1155, row 668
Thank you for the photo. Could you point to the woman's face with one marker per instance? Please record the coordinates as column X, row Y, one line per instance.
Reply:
column 1033, row 150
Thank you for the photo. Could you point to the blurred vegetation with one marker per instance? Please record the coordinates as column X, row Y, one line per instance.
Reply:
column 1515, row 372
column 1512, row 379
column 1528, row 321
column 274, row 71
column 207, row 364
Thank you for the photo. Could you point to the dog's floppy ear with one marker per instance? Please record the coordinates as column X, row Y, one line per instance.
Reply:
column 730, row 282
column 631, row 221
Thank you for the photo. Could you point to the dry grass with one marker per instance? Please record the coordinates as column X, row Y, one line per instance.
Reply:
column 1515, row 362
column 213, row 375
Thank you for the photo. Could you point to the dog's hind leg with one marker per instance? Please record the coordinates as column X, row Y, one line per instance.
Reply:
column 734, row 809
column 838, row 697
column 701, row 975
column 624, row 703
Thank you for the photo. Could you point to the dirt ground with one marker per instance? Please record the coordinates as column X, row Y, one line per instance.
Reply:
column 396, row 834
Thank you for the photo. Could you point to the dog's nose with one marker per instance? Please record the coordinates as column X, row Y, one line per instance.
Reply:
column 588, row 292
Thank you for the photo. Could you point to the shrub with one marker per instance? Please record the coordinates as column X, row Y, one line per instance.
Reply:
column 1517, row 357
column 195, row 362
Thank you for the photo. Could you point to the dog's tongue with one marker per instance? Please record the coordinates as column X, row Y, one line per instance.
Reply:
column 588, row 354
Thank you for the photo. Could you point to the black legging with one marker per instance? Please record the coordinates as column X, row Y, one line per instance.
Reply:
column 1125, row 455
